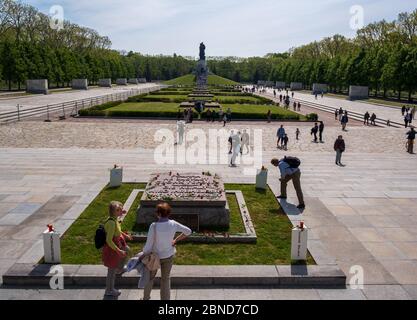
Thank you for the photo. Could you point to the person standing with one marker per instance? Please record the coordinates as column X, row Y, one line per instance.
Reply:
column 268, row 116
column 340, row 113
column 314, row 131
column 403, row 110
column 321, row 129
column 115, row 249
column 294, row 105
column 406, row 120
column 292, row 94
column 344, row 121
column 161, row 240
column 208, row 115
column 297, row 134
column 275, row 94
column 339, row 147
column 229, row 115
column 299, row 106
column 366, row 118
column 224, row 119
column 373, row 118
column 280, row 135
column 336, row 114
column 285, row 142
column 411, row 136
column 289, row 170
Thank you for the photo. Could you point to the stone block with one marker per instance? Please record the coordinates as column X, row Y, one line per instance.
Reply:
column 133, row 81
column 80, row 84
column 280, row 85
column 358, row 92
column 121, row 82
column 319, row 88
column 296, row 86
column 142, row 80
column 104, row 83
column 37, row 86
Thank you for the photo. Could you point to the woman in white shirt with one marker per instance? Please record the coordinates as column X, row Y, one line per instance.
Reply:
column 163, row 244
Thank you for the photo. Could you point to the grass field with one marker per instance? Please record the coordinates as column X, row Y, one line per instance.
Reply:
column 189, row 80
column 272, row 227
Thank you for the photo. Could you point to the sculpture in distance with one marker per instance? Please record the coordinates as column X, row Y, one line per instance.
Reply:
column 202, row 51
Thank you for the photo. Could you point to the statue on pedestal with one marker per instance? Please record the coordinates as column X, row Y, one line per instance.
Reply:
column 202, row 51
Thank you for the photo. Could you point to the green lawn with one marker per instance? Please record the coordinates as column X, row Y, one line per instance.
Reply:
column 239, row 111
column 189, row 80
column 272, row 227
column 219, row 98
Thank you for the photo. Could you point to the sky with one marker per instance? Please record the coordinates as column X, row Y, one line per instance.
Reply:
column 242, row 28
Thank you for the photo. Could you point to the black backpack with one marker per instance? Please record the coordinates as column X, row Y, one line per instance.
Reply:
column 293, row 162
column 100, row 237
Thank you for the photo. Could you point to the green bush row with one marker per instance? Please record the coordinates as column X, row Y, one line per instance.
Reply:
column 98, row 110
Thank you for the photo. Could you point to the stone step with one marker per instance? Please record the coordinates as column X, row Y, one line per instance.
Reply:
column 288, row 276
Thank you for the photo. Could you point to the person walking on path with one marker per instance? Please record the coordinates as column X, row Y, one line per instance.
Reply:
column 285, row 142
column 321, row 129
column 297, row 134
column 344, row 121
column 224, row 119
column 299, row 106
column 403, row 110
column 336, row 114
column 373, row 118
column 406, row 120
column 294, row 105
column 268, row 116
column 289, row 170
column 366, row 118
column 275, row 94
column 314, row 131
column 161, row 241
column 280, row 135
column 339, row 147
column 230, row 140
column 229, row 115
column 208, row 115
column 411, row 137
column 115, row 249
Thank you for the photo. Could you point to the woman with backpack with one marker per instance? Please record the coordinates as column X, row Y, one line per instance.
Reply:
column 161, row 242
column 115, row 248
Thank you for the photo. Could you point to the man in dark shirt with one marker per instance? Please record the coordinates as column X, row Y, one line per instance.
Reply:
column 411, row 136
column 339, row 147
column 314, row 131
column 321, row 128
column 366, row 118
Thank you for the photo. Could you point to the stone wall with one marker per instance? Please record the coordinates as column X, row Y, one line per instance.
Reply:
column 37, row 86
column 319, row 88
column 80, row 84
column 358, row 92
column 296, row 86
column 133, row 81
column 142, row 80
column 104, row 83
column 280, row 85
column 121, row 82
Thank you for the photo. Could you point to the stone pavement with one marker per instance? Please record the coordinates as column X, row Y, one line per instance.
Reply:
column 382, row 112
column 362, row 214
column 43, row 100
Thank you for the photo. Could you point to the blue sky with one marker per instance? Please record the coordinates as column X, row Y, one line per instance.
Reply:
column 227, row 27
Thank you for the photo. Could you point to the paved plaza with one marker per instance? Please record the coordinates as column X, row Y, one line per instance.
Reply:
column 359, row 215
column 31, row 101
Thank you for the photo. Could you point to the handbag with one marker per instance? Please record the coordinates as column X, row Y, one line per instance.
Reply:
column 151, row 260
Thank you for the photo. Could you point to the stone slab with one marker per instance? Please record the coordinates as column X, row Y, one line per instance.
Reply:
column 358, row 92
column 79, row 84
column 37, row 86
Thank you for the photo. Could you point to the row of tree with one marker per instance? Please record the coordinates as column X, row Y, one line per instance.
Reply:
column 31, row 49
column 383, row 55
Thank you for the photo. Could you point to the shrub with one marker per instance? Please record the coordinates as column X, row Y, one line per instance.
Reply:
column 312, row 117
